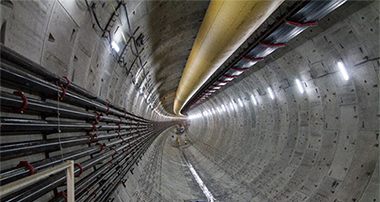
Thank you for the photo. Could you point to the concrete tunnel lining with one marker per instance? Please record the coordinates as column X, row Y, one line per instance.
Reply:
column 322, row 145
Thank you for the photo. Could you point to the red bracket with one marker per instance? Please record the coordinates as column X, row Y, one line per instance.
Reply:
column 121, row 120
column 80, row 168
column 26, row 164
column 67, row 80
column 118, row 134
column 108, row 106
column 95, row 194
column 253, row 59
column 272, row 46
column 115, row 151
column 301, row 24
column 63, row 91
column 87, row 191
column 98, row 116
column 101, row 146
column 92, row 138
column 93, row 126
column 119, row 127
column 122, row 140
column 21, row 94
column 237, row 69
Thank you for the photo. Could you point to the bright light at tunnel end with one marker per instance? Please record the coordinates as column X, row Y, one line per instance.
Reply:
column 271, row 93
column 299, row 84
column 343, row 70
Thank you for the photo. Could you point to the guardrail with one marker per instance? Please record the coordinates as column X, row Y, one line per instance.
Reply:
column 25, row 182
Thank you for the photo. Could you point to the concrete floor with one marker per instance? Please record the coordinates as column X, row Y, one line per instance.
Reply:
column 322, row 145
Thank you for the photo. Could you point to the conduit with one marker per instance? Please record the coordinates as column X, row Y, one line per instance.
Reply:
column 227, row 24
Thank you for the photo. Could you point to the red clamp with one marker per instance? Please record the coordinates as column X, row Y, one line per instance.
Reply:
column 301, row 24
column 115, row 151
column 67, row 80
column 80, row 168
column 121, row 121
column 101, row 146
column 118, row 134
column 122, row 140
column 26, row 164
column 95, row 194
column 93, row 126
column 92, row 138
column 64, row 88
column 110, row 163
column 118, row 127
column 108, row 105
column 21, row 94
column 87, row 191
column 98, row 116
column 63, row 91
column 63, row 194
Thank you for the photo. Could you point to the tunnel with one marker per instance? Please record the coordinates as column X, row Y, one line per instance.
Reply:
column 221, row 100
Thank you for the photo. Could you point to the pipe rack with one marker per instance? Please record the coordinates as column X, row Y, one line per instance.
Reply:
column 104, row 140
column 297, row 19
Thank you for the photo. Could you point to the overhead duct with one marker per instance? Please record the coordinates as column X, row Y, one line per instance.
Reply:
column 227, row 24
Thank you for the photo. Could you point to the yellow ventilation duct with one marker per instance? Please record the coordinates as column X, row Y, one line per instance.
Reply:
column 226, row 25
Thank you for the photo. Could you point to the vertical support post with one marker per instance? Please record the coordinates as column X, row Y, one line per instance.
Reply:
column 70, row 182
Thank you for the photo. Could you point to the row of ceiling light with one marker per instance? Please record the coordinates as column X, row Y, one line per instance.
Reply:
column 232, row 105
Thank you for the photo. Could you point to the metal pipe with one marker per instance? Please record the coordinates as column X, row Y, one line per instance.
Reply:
column 29, row 65
column 13, row 75
column 226, row 25
column 20, row 184
column 9, row 151
column 41, row 189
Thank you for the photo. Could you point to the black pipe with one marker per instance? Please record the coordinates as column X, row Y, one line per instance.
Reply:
column 45, row 186
column 29, row 65
column 17, row 173
column 81, row 192
column 13, row 75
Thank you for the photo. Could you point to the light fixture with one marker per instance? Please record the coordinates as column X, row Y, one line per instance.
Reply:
column 223, row 108
column 217, row 108
column 299, row 84
column 231, row 106
column 343, row 70
column 271, row 93
column 254, row 100
column 240, row 102
column 115, row 46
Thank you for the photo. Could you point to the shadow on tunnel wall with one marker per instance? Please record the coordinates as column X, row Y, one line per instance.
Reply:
column 172, row 29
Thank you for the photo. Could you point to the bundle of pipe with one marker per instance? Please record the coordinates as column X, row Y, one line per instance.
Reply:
column 70, row 123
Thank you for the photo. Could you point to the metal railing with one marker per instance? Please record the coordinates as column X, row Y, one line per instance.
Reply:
column 28, row 181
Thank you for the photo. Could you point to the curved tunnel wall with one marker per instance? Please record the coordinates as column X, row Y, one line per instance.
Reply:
column 279, row 150
column 321, row 145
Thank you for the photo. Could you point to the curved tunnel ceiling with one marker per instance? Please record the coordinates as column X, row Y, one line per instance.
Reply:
column 320, row 145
